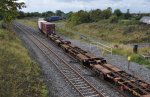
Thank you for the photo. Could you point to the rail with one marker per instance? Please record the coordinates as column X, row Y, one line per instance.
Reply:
column 84, row 88
column 138, row 86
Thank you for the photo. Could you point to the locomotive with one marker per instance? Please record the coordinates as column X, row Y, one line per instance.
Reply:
column 98, row 65
column 46, row 27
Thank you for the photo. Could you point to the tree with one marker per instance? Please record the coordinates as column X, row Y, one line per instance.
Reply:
column 95, row 15
column 1, row 17
column 69, row 14
column 59, row 13
column 49, row 14
column 8, row 9
column 127, row 15
column 28, row 14
column 113, row 19
column 21, row 14
column 79, row 18
column 106, row 13
column 118, row 13
column 109, row 8
column 84, row 16
column 35, row 14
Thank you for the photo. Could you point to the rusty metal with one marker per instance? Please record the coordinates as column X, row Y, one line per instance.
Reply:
column 135, row 85
column 101, row 69
column 114, row 68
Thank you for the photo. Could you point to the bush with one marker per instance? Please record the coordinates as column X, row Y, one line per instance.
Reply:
column 106, row 14
column 95, row 15
column 113, row 19
column 79, row 18
column 139, row 59
column 118, row 13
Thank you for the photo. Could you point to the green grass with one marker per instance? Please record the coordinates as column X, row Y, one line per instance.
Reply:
column 121, row 33
column 20, row 76
column 30, row 22
column 127, row 51
column 141, row 60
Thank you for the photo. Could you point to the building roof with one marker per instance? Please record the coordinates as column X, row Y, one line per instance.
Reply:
column 145, row 19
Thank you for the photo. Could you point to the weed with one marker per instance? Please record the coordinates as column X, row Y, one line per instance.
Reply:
column 19, row 75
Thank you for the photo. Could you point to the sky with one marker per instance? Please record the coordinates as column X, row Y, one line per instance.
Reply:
column 135, row 6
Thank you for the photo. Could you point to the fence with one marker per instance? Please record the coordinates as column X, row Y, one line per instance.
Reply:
column 98, row 44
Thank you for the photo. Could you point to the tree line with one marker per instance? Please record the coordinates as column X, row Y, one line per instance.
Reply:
column 83, row 16
column 9, row 11
column 37, row 14
column 97, row 15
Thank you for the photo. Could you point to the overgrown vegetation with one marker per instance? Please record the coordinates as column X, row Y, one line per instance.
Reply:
column 19, row 75
column 43, row 14
column 125, row 31
column 96, row 15
column 30, row 22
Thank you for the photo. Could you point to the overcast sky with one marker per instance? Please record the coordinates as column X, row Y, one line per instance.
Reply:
column 75, row 5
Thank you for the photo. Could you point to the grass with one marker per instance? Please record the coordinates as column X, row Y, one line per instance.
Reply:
column 20, row 76
column 121, row 33
column 30, row 22
column 127, row 51
column 141, row 60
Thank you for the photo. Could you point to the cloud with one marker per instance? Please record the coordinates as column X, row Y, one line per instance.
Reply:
column 75, row 0
column 75, row 5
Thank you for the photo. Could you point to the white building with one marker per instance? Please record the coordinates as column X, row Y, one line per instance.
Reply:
column 145, row 19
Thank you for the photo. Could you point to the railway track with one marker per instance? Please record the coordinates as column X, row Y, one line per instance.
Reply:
column 119, row 93
column 124, row 80
column 82, row 86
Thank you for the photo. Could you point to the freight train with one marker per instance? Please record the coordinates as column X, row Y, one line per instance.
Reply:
column 98, row 65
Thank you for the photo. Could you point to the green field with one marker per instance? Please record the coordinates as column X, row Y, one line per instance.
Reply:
column 20, row 76
column 120, row 34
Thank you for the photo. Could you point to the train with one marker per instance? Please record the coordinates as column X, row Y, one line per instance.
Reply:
column 108, row 72
column 46, row 27
column 53, row 18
